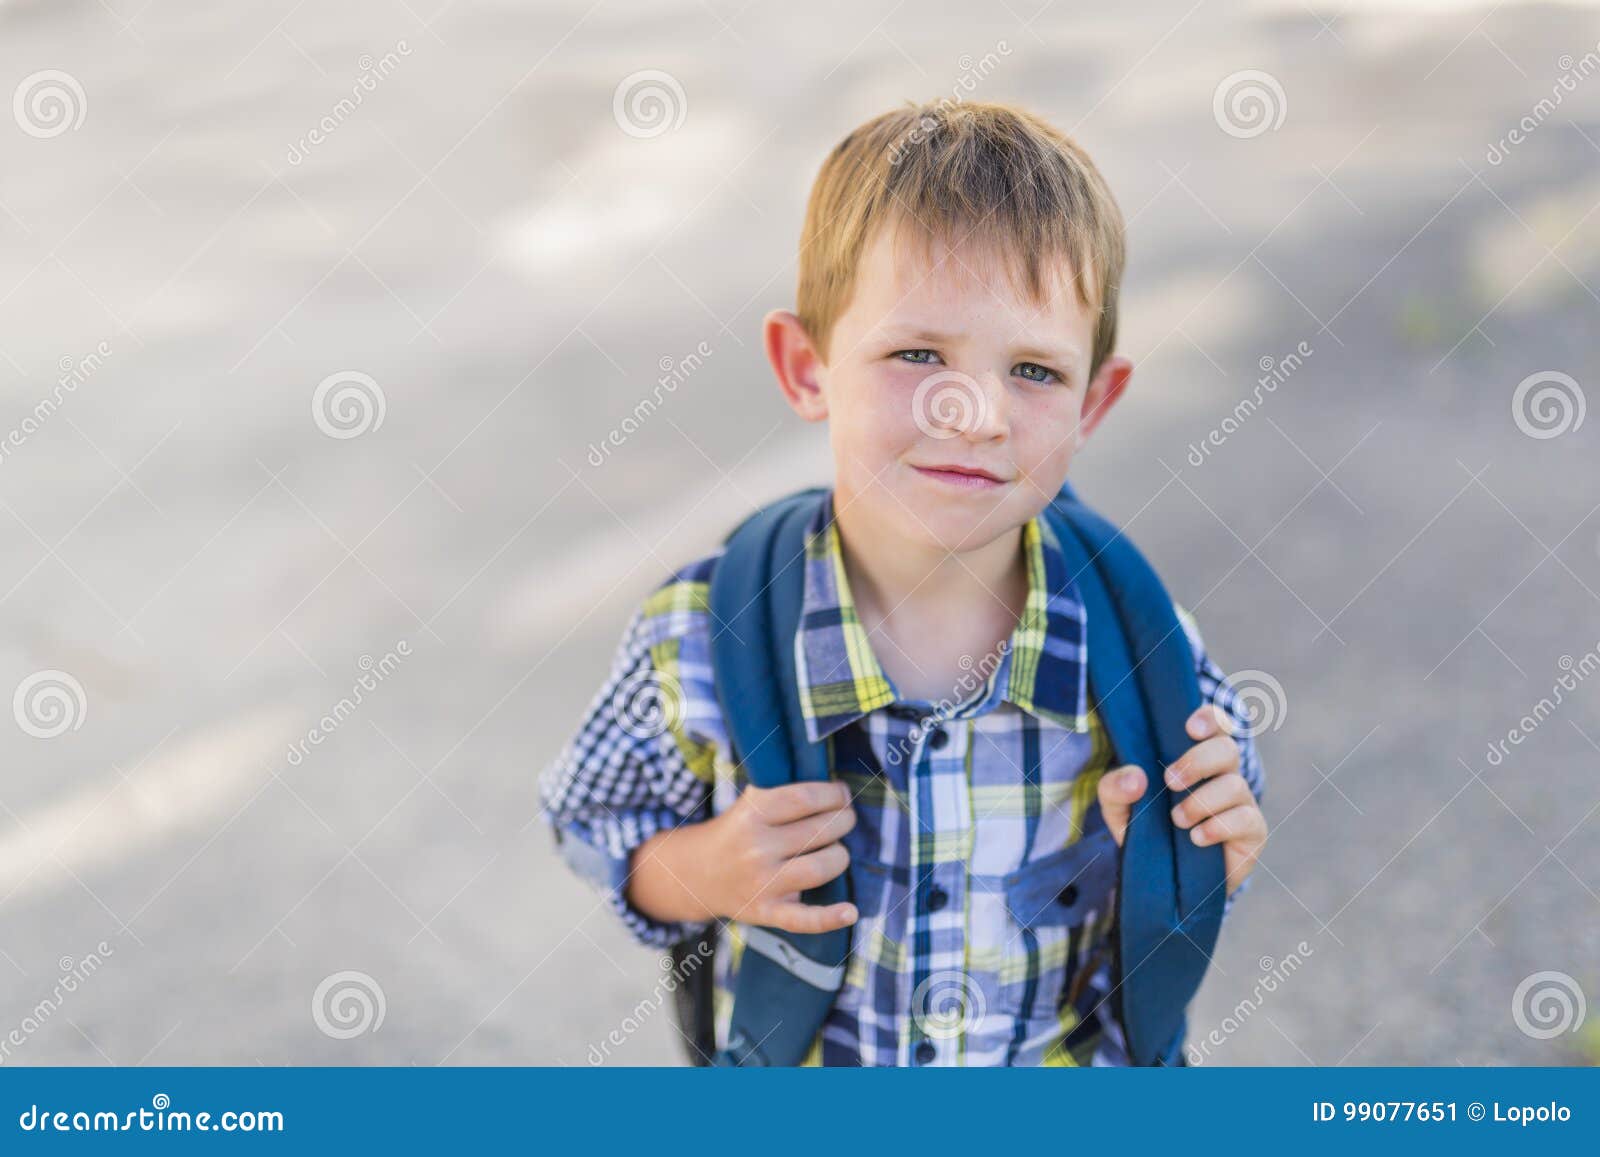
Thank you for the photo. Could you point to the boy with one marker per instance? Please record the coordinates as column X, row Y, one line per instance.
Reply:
column 955, row 326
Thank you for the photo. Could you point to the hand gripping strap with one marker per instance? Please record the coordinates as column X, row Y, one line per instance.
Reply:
column 1142, row 675
column 786, row 981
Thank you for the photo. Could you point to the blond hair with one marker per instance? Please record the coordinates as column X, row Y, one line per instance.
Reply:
column 952, row 171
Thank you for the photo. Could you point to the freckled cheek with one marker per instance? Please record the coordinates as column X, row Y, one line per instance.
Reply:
column 872, row 425
column 885, row 415
column 1045, row 439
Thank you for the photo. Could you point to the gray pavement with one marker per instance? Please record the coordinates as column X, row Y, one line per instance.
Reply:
column 202, row 554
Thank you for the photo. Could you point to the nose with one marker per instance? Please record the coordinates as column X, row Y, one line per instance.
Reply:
column 991, row 417
column 952, row 404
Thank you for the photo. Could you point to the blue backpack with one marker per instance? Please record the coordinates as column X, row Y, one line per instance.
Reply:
column 1143, row 683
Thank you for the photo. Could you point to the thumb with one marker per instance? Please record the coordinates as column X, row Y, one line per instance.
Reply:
column 1120, row 788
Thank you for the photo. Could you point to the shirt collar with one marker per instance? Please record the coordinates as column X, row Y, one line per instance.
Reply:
column 840, row 680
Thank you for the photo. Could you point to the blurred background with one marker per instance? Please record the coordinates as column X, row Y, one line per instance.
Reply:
column 315, row 321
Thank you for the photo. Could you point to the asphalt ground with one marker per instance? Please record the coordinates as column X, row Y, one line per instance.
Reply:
column 214, row 552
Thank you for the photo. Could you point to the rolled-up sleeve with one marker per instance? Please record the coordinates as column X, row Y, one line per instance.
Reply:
column 620, row 780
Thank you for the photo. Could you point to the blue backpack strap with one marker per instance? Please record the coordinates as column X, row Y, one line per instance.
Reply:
column 786, row 981
column 1143, row 679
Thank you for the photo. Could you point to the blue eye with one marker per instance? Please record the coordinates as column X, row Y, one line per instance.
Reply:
column 909, row 356
column 1022, row 371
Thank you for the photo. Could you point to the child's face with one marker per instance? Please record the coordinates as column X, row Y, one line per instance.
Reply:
column 938, row 364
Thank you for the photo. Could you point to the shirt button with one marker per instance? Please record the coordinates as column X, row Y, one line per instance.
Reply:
column 926, row 1051
column 937, row 898
column 938, row 737
column 1068, row 895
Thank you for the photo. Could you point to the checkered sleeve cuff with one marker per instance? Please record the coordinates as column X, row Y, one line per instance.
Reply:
column 599, row 850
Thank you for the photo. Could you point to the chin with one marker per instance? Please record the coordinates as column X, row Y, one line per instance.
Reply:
column 956, row 525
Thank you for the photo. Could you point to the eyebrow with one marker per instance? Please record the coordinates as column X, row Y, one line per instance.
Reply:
column 1030, row 346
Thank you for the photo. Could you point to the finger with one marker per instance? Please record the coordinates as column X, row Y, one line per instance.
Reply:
column 1207, row 758
column 1237, row 875
column 1243, row 823
column 1119, row 789
column 793, row 916
column 813, row 832
column 812, row 869
column 1207, row 720
column 793, row 801
column 1212, row 797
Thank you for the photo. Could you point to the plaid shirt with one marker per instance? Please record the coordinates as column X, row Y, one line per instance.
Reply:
column 981, row 866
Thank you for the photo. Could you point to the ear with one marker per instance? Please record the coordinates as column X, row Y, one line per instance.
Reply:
column 798, row 366
column 1109, row 382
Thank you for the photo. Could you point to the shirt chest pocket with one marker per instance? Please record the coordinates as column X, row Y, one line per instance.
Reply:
column 1048, row 903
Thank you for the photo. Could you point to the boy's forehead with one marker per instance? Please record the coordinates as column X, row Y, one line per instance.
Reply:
column 905, row 282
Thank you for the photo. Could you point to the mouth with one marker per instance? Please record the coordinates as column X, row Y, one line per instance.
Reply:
column 962, row 477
